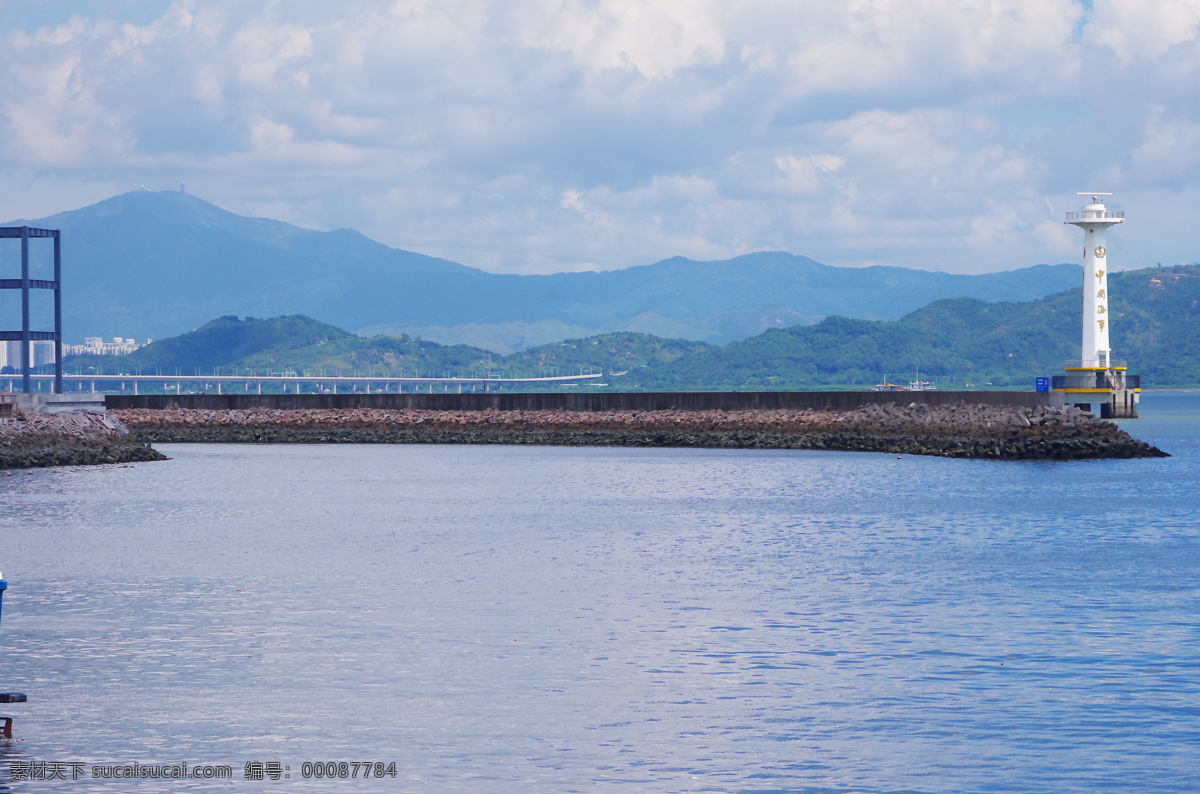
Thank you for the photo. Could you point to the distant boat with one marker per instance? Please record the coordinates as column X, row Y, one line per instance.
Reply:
column 913, row 385
column 920, row 385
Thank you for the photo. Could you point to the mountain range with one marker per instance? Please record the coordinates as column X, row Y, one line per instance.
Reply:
column 956, row 342
column 156, row 264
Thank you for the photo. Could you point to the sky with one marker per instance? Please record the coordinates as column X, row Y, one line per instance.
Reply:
column 539, row 136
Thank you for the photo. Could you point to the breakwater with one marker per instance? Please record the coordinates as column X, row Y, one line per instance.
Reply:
column 961, row 430
column 33, row 440
column 587, row 401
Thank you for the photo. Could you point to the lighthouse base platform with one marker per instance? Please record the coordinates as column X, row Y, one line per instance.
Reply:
column 1121, row 404
column 1116, row 391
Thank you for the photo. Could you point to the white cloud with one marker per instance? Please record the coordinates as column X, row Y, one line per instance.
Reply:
column 1058, row 239
column 260, row 53
column 923, row 45
column 654, row 39
column 539, row 135
column 1170, row 148
column 53, row 113
column 809, row 175
column 1143, row 30
column 267, row 136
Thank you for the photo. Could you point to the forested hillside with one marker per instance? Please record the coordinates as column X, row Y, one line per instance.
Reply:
column 957, row 343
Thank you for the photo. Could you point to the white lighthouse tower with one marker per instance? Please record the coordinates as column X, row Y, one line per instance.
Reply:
column 1096, row 377
column 1094, row 221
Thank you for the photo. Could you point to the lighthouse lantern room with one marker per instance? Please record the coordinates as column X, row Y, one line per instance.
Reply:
column 1097, row 377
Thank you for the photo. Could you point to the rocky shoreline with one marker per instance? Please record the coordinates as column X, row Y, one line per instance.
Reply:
column 35, row 440
column 956, row 431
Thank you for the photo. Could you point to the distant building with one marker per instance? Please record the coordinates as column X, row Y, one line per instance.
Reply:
column 96, row 346
column 40, row 352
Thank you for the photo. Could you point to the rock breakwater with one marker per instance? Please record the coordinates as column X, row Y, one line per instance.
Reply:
column 34, row 440
column 957, row 431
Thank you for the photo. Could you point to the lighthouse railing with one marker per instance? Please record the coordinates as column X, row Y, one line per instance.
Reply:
column 1092, row 215
column 1082, row 364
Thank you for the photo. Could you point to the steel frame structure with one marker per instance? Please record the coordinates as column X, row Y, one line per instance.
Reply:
column 25, row 284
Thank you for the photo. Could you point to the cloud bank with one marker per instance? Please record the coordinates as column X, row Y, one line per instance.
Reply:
column 536, row 136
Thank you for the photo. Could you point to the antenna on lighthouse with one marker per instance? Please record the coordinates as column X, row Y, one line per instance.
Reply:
column 1095, row 194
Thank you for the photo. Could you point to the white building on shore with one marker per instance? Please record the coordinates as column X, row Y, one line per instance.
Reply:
column 96, row 346
column 41, row 352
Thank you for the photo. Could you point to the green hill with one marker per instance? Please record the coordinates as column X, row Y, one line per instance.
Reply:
column 957, row 343
column 227, row 340
column 960, row 342
column 288, row 344
column 610, row 353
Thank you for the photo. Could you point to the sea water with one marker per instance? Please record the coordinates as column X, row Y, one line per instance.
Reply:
column 504, row 619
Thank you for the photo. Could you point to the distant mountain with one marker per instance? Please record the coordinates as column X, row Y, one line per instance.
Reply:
column 955, row 342
column 148, row 264
column 154, row 264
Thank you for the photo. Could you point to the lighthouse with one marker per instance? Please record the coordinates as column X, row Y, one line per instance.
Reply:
column 1094, row 221
column 1097, row 377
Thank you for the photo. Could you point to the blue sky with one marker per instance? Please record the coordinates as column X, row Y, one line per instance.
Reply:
column 536, row 136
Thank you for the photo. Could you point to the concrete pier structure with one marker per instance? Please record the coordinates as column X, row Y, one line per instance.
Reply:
column 588, row 401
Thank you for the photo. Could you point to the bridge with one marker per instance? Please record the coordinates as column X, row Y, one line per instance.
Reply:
column 288, row 383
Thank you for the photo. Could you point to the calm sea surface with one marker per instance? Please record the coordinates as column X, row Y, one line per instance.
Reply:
column 505, row 619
